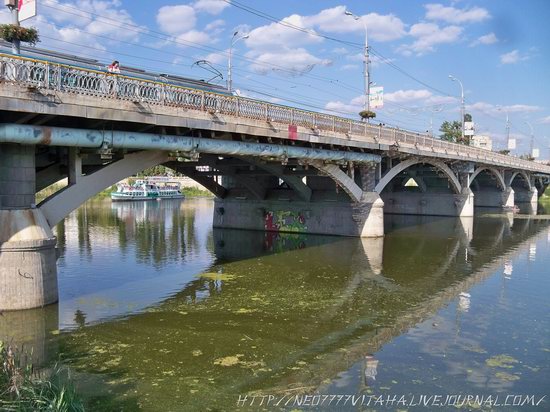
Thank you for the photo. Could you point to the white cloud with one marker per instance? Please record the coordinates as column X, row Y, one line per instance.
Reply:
column 545, row 120
column 513, row 57
column 349, row 67
column 293, row 62
column 215, row 25
column 381, row 27
column 429, row 35
column 494, row 109
column 193, row 36
column 454, row 15
column 490, row 38
column 340, row 50
column 217, row 58
column 210, row 6
column 70, row 26
column 353, row 107
column 280, row 36
column 176, row 20
column 417, row 100
column 405, row 96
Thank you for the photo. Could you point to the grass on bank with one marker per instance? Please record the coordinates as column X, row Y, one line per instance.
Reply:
column 22, row 389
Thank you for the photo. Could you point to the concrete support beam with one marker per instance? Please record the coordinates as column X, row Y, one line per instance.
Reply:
column 75, row 166
column 57, row 207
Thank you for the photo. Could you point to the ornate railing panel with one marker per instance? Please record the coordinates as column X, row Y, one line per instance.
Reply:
column 71, row 79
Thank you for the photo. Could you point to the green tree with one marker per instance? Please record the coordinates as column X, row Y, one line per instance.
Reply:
column 451, row 131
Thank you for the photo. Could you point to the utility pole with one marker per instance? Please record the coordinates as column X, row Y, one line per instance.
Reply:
column 234, row 40
column 507, row 126
column 366, row 62
column 532, row 139
column 14, row 10
column 462, row 108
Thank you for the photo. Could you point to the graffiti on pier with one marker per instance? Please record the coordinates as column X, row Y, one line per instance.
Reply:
column 285, row 221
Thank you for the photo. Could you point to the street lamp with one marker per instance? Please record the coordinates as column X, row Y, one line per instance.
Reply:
column 366, row 70
column 454, row 79
column 532, row 138
column 507, row 126
column 234, row 40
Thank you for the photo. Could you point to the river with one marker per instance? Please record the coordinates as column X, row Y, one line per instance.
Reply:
column 159, row 312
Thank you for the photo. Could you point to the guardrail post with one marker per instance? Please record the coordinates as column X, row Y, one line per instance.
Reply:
column 333, row 124
column 47, row 79
column 266, row 106
column 314, row 120
column 59, row 77
column 202, row 101
column 291, row 116
column 237, row 107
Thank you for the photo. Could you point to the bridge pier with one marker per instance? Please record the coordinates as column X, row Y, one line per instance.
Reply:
column 527, row 200
column 28, row 273
column 363, row 219
column 495, row 198
column 429, row 204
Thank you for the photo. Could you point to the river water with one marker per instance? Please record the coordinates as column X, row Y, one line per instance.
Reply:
column 160, row 312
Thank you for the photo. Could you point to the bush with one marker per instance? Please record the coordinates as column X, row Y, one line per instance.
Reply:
column 367, row 114
column 21, row 389
column 11, row 32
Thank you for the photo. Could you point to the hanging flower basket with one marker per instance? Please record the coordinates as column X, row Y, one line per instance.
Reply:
column 367, row 114
column 11, row 32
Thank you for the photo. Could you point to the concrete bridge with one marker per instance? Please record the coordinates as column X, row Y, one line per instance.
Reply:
column 271, row 167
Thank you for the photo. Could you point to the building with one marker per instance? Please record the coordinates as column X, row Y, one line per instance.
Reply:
column 483, row 142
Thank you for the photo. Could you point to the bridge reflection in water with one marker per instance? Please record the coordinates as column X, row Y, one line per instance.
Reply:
column 190, row 317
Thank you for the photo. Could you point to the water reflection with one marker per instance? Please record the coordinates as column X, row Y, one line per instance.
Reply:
column 155, row 301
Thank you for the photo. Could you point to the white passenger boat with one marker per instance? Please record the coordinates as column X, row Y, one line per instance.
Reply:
column 146, row 190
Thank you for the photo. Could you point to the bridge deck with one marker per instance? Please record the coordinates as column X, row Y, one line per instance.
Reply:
column 43, row 87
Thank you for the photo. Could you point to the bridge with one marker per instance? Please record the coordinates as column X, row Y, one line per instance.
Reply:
column 271, row 167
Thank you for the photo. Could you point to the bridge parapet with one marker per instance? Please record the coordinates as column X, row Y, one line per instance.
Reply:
column 42, row 74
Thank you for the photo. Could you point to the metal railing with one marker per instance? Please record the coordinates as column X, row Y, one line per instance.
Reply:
column 72, row 79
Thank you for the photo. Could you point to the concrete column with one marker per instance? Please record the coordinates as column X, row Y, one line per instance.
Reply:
column 28, row 273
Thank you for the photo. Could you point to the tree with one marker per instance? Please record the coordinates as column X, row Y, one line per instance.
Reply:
column 451, row 131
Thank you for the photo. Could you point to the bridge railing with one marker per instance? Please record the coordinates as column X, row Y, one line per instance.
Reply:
column 72, row 79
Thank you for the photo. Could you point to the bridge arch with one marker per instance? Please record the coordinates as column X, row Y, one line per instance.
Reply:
column 524, row 176
column 498, row 176
column 393, row 172
column 342, row 179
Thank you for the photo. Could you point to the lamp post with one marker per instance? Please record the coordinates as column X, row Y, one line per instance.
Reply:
column 454, row 79
column 14, row 10
column 234, row 40
column 507, row 126
column 366, row 69
column 532, row 138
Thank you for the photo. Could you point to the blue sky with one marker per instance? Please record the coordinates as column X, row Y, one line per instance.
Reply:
column 499, row 49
